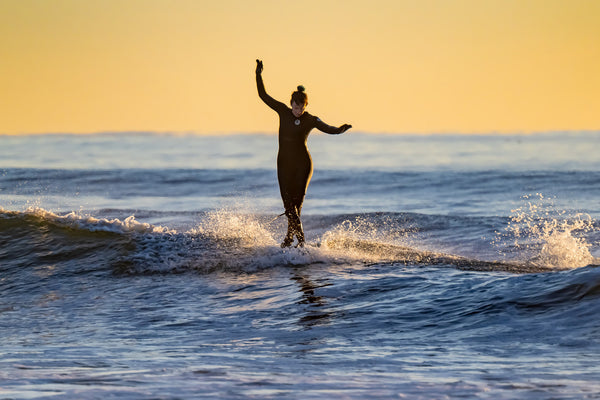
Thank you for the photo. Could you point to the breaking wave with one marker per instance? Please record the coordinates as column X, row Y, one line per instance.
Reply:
column 224, row 240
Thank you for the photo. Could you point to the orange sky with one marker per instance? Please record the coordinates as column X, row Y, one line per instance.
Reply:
column 381, row 65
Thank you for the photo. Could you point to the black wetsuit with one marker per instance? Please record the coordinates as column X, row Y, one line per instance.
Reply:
column 294, row 164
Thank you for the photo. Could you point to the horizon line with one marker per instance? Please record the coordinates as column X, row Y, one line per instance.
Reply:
column 274, row 133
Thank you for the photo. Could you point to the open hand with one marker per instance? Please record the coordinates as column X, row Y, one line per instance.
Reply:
column 345, row 127
column 259, row 66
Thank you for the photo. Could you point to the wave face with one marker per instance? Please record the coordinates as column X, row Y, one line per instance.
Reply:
column 149, row 266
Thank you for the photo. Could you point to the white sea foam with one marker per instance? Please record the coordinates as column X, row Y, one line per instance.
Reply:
column 72, row 219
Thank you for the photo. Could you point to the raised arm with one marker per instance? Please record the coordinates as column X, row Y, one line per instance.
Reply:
column 262, row 93
column 332, row 130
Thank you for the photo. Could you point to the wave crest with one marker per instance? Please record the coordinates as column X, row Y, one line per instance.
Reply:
column 83, row 222
column 229, row 240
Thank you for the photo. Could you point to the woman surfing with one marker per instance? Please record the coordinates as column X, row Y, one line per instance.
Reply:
column 294, row 164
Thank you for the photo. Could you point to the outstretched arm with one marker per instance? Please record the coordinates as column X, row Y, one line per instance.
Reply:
column 262, row 93
column 332, row 130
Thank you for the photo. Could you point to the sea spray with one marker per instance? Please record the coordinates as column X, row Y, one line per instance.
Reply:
column 244, row 241
column 246, row 230
column 247, row 241
column 545, row 236
column 367, row 239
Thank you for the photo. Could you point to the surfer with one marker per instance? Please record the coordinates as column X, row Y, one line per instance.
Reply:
column 294, row 165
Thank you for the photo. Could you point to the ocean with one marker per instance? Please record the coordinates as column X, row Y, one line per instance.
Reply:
column 148, row 266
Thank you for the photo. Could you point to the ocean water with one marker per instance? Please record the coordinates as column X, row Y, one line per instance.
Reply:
column 148, row 266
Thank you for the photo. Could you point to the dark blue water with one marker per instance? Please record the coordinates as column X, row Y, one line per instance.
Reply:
column 147, row 266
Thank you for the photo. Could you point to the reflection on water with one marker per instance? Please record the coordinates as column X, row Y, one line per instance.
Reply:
column 316, row 313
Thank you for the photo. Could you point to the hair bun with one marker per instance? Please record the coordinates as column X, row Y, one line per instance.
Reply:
column 301, row 88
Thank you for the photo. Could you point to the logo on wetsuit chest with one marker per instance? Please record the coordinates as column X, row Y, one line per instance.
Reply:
column 297, row 122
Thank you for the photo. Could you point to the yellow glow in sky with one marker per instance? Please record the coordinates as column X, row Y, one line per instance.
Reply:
column 381, row 65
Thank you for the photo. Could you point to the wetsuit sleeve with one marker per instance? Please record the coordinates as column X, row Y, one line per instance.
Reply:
column 332, row 130
column 262, row 93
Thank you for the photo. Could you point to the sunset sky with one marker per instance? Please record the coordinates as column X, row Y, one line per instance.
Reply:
column 394, row 66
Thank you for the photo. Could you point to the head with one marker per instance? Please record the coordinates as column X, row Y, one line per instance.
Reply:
column 299, row 101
